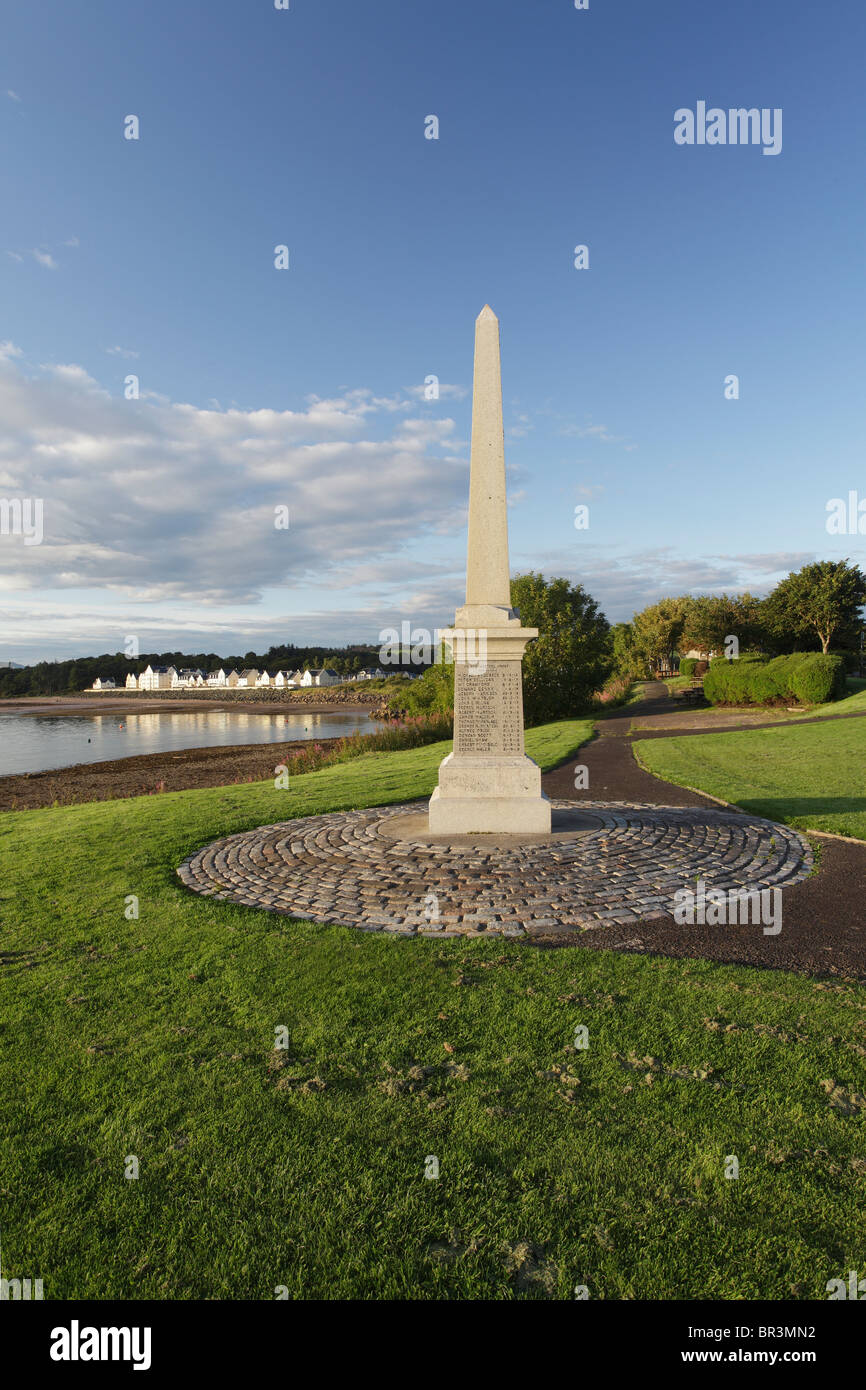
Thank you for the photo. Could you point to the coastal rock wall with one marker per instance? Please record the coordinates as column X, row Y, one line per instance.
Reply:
column 264, row 695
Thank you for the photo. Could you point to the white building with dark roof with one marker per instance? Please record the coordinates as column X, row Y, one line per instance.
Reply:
column 324, row 676
column 156, row 678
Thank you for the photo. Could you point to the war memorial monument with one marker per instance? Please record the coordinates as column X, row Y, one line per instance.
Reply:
column 490, row 853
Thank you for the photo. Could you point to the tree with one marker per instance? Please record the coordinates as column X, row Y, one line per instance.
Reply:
column 570, row 658
column 711, row 619
column 822, row 599
column 432, row 693
column 658, row 630
column 626, row 659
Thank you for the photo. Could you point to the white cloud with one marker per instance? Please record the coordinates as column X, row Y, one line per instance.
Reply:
column 13, row 96
column 14, row 256
column 521, row 428
column 44, row 258
column 598, row 432
column 121, row 352
column 161, row 501
column 624, row 584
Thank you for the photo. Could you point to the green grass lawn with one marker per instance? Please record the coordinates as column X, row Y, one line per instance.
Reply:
column 852, row 703
column 811, row 777
column 305, row 1169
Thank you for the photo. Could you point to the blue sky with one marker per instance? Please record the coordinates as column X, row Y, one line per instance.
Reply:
column 303, row 387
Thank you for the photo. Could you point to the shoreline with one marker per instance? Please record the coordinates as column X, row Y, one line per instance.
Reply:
column 129, row 704
column 145, row 774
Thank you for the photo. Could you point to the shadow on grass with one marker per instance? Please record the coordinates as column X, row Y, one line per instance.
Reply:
column 782, row 808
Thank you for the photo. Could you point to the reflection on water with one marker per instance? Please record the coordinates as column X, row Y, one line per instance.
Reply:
column 33, row 743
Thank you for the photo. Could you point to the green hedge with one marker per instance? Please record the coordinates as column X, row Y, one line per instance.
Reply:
column 810, row 677
column 687, row 665
column 819, row 678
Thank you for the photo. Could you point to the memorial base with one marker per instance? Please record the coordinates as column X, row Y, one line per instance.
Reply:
column 486, row 794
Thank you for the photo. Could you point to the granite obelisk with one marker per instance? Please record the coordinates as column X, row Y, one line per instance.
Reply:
column 488, row 785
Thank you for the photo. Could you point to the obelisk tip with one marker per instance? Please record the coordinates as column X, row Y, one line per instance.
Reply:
column 486, row 315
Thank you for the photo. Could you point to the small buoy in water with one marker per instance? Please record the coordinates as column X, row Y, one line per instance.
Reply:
column 88, row 740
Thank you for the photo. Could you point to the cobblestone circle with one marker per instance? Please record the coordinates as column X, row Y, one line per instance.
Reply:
column 622, row 866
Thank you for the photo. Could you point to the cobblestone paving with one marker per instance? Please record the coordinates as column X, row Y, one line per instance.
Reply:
column 345, row 868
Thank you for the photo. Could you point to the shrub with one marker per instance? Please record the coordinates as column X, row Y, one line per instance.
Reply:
column 409, row 733
column 819, row 678
column 810, row 677
column 615, row 691
column 720, row 680
column 687, row 666
column 432, row 694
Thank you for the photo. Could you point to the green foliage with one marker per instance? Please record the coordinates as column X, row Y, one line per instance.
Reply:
column 658, row 631
column 431, row 694
column 819, row 678
column 687, row 666
column 570, row 658
column 711, row 619
column 411, row 733
column 811, row 677
column 627, row 660
column 615, row 691
column 822, row 600
column 816, row 607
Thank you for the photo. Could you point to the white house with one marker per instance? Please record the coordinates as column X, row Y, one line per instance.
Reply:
column 131, row 682
column 232, row 679
column 323, row 677
column 247, row 679
column 265, row 679
column 156, row 678
column 217, row 678
column 186, row 679
column 282, row 679
column 100, row 684
column 371, row 673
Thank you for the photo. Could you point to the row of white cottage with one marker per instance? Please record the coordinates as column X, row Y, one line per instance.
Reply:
column 169, row 678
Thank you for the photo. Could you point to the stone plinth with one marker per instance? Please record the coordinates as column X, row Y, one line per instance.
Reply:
column 488, row 784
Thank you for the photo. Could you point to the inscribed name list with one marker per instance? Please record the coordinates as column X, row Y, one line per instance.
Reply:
column 488, row 708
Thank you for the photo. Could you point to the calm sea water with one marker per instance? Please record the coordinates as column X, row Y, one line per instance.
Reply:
column 35, row 742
